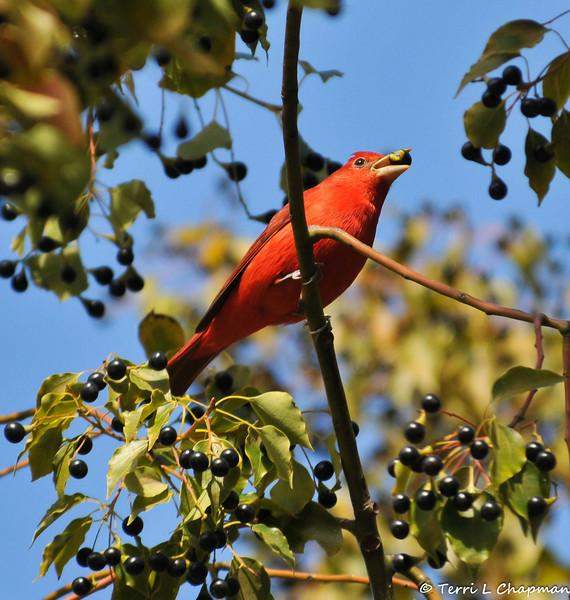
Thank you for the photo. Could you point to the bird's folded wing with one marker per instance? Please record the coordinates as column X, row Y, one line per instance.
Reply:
column 277, row 223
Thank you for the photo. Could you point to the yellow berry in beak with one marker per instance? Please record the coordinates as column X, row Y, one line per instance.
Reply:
column 400, row 157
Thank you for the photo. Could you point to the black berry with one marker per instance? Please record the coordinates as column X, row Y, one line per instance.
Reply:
column 237, row 171
column 547, row 107
column 81, row 586
column 245, row 513
column 20, row 282
column 134, row 282
column 532, row 449
column 400, row 529
column 219, row 588
column 233, row 586
column 94, row 308
column 324, row 470
column 181, row 129
column 9, row 211
column 7, row 268
column 103, row 275
column 207, row 541
column 170, row 169
column 332, row 166
column 96, row 561
column 176, row 567
column 496, row 86
column 536, row 507
column 392, row 468
column 232, row 501
column 471, row 152
column 89, row 392
column 194, row 460
column 158, row 561
column 327, row 498
column 112, row 556
column 153, row 141
column 125, row 256
column 98, row 379
column 134, row 565
column 425, row 499
column 431, row 403
column 230, row 456
column 355, row 428
column 197, row 573
column 135, row 527
column 47, row 244
column 221, row 538
column 409, row 455
column 167, row 436
column 158, row 361
column 117, row 288
column 117, row 425
column 78, row 468
column 448, row 486
column 479, row 449
column 545, row 460
column 184, row 167
column 402, row 562
column 220, row 467
column 224, row 381
column 490, row 511
column 490, row 100
column 501, row 155
column 200, row 163
column 438, row 561
column 512, row 75
column 162, row 57
column 84, row 445
column 466, row 434
column 68, row 274
column 314, row 161
column 415, row 432
column 14, row 432
column 253, row 20
column 82, row 556
column 309, row 180
column 530, row 107
column 401, row 503
column 498, row 188
column 432, row 465
column 116, row 369
column 463, row 501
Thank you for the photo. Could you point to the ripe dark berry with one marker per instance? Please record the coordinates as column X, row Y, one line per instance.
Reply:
column 14, row 432
column 135, row 527
column 20, row 282
column 96, row 561
column 425, row 499
column 498, row 188
column 117, row 288
column 268, row 4
column 448, row 486
column 84, row 445
column 471, row 152
column 245, row 513
column 532, row 449
column 401, row 503
column 167, row 436
column 200, row 163
column 529, row 107
column 7, row 268
column 431, row 403
column 134, row 282
column 125, row 256
column 230, row 456
column 181, row 129
column 221, row 538
column 170, row 169
column 117, row 425
column 490, row 511
column 197, row 573
column 547, row 107
column 162, row 57
column 176, row 567
column 237, row 171
column 153, row 141
column 332, row 166
column 437, row 562
column 545, row 460
column 490, row 100
column 463, row 501
column 355, row 428
column 432, row 465
column 219, row 588
column 392, row 468
column 496, row 86
column 327, row 498
column 131, row 124
column 309, row 180
column 112, row 556
column 184, row 167
column 98, row 379
column 158, row 561
column 82, row 556
column 536, row 507
column 224, row 381
column 409, row 455
column 479, row 449
column 134, row 565
column 232, row 501
column 195, row 460
column 415, row 432
column 402, row 562
column 466, row 434
column 68, row 274
column 116, row 369
column 81, row 586
column 324, row 470
column 9, row 211
column 94, row 308
column 105, row 112
column 47, row 244
column 78, row 468
column 89, row 392
column 543, row 154
column 512, row 75
column 103, row 275
column 158, row 361
column 207, row 541
column 253, row 20
column 219, row 467
column 501, row 155
column 314, row 161
column 249, row 37
column 233, row 586
column 400, row 529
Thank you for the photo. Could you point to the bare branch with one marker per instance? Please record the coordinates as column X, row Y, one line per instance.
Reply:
column 99, row 578
column 424, row 583
column 17, row 416
column 14, row 468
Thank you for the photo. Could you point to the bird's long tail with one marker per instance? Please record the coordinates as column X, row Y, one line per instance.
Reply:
column 188, row 363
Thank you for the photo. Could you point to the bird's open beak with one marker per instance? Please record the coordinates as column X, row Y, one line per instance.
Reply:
column 391, row 166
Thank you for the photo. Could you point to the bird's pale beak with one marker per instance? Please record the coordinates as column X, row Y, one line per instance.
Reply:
column 391, row 166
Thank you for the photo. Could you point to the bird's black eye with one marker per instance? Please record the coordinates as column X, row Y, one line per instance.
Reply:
column 359, row 162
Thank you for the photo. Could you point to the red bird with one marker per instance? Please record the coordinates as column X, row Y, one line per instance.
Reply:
column 265, row 287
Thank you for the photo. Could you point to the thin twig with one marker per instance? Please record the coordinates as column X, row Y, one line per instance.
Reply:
column 14, row 468
column 520, row 415
column 366, row 527
column 489, row 308
column 566, row 374
column 424, row 583
column 17, row 416
column 267, row 105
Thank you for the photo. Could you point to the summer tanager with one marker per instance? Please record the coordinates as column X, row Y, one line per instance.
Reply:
column 265, row 287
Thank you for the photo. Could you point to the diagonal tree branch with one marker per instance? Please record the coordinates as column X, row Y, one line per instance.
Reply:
column 366, row 528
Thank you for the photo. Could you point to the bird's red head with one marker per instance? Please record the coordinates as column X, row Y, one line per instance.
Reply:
column 374, row 173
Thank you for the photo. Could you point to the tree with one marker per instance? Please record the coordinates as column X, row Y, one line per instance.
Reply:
column 240, row 460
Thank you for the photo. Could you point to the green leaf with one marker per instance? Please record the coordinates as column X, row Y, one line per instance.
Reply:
column 276, row 540
column 277, row 446
column 324, row 75
column 61, row 466
column 539, row 174
column 143, row 503
column 56, row 383
column 127, row 201
column 425, row 526
column 314, row 523
column 471, row 537
column 561, row 141
column 483, row 125
column 211, row 137
column 523, row 379
column 556, row 82
column 65, row 545
column 161, row 419
column 131, row 420
column 279, row 409
column 42, row 451
column 148, row 379
column 56, row 510
column 123, row 461
column 504, row 45
column 525, row 484
column 293, row 498
column 161, row 333
column 508, row 452
column 253, row 579
column 145, row 481
column 256, row 458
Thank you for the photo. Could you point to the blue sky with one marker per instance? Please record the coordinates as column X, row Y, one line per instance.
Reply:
column 402, row 63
